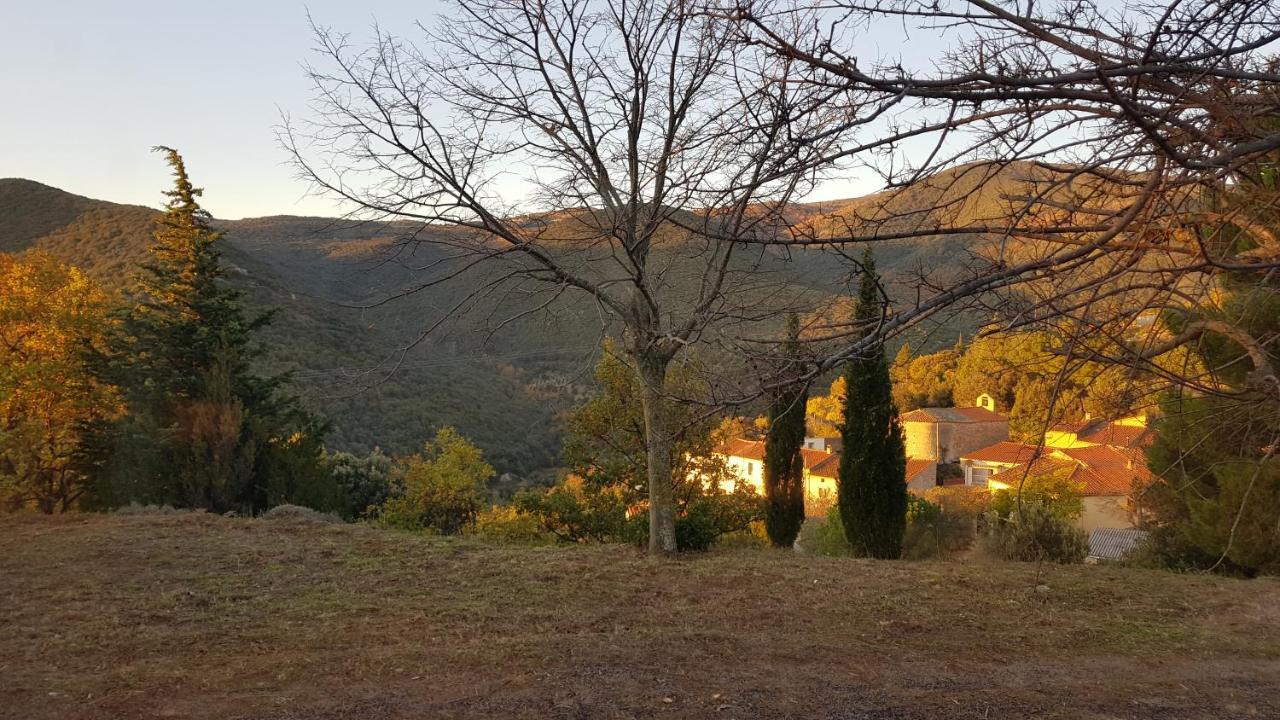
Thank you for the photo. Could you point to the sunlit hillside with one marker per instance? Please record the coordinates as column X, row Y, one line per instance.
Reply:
column 347, row 329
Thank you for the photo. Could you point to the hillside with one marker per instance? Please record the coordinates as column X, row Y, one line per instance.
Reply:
column 198, row 616
column 502, row 383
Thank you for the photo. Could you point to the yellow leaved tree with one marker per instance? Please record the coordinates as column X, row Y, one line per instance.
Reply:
column 50, row 314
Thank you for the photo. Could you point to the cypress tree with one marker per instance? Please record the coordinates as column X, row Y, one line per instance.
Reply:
column 783, row 461
column 203, row 430
column 872, row 491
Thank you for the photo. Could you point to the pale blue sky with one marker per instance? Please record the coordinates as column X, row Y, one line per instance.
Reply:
column 88, row 87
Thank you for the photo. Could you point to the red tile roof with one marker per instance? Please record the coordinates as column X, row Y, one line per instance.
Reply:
column 953, row 415
column 741, row 447
column 1126, row 436
column 828, row 468
column 1103, row 471
column 1010, row 453
column 1102, row 432
column 915, row 467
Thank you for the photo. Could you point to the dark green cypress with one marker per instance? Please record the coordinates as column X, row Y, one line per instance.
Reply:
column 783, row 461
column 872, row 479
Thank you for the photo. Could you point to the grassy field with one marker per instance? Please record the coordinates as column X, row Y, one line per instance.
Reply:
column 195, row 616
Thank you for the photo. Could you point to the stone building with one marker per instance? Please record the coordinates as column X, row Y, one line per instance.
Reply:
column 943, row 435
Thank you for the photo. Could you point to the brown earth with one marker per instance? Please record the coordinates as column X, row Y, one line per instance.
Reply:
column 196, row 616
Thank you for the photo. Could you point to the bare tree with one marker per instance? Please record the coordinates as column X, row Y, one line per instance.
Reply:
column 653, row 155
column 1108, row 134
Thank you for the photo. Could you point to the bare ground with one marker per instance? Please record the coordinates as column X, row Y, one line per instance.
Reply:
column 195, row 616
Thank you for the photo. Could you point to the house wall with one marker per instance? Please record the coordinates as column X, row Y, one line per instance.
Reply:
column 964, row 438
column 921, row 439
column 1105, row 512
column 1063, row 440
column 819, row 495
column 748, row 470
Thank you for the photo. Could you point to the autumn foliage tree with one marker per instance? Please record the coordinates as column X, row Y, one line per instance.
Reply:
column 49, row 315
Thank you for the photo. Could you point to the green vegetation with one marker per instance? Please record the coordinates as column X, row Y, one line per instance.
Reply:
column 1037, row 532
column 783, row 462
column 201, row 429
column 1218, row 498
column 366, row 482
column 445, row 487
column 872, row 497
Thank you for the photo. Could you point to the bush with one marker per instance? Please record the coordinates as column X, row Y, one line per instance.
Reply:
column 942, row 523
column 575, row 511
column 444, row 487
column 506, row 524
column 1054, row 491
column 704, row 517
column 1037, row 534
column 754, row 536
column 364, row 482
column 825, row 536
column 297, row 512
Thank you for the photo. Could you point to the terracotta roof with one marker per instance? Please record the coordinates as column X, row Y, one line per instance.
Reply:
column 1126, row 436
column 915, row 467
column 953, row 415
column 1103, row 432
column 829, row 467
column 814, row 458
column 1103, row 471
column 1005, row 452
column 741, row 447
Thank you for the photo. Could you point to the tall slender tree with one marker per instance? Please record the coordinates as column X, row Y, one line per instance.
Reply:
column 783, row 461
column 203, row 430
column 872, row 477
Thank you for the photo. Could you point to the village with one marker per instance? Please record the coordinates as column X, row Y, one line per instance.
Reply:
column 968, row 449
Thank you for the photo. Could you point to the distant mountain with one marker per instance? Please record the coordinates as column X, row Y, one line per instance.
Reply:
column 502, row 383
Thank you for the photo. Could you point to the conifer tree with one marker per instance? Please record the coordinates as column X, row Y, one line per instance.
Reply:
column 783, row 461
column 203, row 430
column 872, row 491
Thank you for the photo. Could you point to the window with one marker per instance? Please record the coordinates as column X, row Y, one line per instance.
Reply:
column 751, row 468
column 978, row 476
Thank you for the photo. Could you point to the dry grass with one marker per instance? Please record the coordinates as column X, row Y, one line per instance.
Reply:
column 206, row 617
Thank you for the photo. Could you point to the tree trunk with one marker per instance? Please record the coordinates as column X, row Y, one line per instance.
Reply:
column 658, row 444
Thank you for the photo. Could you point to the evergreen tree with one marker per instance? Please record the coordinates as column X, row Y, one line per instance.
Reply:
column 203, row 430
column 783, row 461
column 872, row 479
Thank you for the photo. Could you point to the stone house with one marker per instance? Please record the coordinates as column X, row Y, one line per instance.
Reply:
column 943, row 435
column 745, row 458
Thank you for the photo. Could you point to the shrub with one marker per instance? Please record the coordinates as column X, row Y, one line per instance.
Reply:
column 1038, row 533
column 1054, row 491
column 506, row 524
column 444, row 487
column 943, row 522
column 575, row 511
column 754, row 536
column 365, row 482
column 297, row 512
column 704, row 517
column 825, row 536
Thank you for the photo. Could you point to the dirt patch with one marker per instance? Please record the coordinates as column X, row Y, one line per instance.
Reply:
column 199, row 616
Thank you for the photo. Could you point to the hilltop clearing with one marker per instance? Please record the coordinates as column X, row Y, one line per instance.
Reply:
column 198, row 616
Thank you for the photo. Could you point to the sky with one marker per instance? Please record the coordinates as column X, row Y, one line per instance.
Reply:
column 87, row 88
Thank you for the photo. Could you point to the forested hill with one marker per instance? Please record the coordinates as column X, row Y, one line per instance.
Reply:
column 502, row 383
